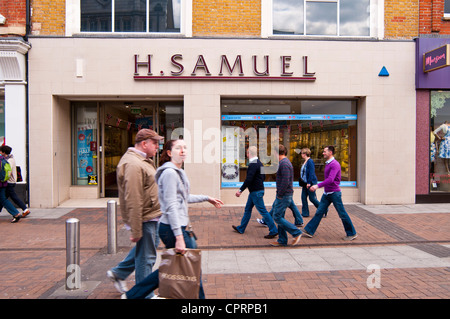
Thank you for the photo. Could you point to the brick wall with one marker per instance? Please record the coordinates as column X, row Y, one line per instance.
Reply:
column 401, row 19
column 48, row 17
column 229, row 18
column 430, row 20
column 15, row 14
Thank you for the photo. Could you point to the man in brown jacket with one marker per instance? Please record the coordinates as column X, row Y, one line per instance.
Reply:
column 139, row 206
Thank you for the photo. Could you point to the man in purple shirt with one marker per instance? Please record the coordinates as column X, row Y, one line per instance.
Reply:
column 331, row 194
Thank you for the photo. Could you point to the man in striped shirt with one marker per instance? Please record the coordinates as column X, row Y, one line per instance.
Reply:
column 284, row 180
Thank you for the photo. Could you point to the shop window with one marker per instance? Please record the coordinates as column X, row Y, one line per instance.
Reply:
column 322, row 18
column 130, row 16
column 447, row 9
column 84, row 143
column 296, row 124
column 440, row 141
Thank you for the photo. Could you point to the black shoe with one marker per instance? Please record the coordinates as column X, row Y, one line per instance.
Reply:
column 305, row 233
column 16, row 218
column 235, row 228
column 271, row 236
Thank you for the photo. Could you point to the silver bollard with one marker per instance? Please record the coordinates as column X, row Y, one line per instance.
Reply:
column 73, row 270
column 112, row 226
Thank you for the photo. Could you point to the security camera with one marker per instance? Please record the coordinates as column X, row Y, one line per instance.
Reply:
column 2, row 19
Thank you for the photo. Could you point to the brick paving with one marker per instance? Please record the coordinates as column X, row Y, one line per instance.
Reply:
column 32, row 256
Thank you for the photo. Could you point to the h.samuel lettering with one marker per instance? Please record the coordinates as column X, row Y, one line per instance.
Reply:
column 203, row 67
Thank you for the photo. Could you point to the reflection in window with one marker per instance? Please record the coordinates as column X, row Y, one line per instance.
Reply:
column 288, row 17
column 354, row 18
column 130, row 15
column 321, row 18
column 331, row 18
column 96, row 16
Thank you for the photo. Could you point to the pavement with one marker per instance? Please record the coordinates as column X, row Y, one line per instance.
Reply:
column 401, row 252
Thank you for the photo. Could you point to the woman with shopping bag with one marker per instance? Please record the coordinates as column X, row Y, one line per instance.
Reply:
column 174, row 230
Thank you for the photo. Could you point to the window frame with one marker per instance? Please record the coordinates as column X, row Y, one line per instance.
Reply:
column 447, row 13
column 73, row 22
column 376, row 21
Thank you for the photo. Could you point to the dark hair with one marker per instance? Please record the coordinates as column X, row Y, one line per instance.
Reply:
column 164, row 156
column 331, row 149
column 282, row 150
column 6, row 149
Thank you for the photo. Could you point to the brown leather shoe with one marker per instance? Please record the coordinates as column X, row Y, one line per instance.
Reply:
column 270, row 236
column 296, row 240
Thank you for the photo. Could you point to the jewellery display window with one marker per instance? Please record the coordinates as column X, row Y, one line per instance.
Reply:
column 317, row 125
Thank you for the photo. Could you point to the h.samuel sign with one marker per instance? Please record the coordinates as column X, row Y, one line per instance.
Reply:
column 224, row 68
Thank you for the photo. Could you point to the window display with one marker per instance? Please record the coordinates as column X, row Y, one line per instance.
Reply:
column 85, row 144
column 440, row 141
column 295, row 124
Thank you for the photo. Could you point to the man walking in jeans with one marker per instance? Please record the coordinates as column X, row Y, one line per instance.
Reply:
column 332, row 194
column 284, row 180
column 255, row 184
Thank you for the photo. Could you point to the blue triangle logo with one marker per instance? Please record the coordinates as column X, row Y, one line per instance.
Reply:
column 383, row 72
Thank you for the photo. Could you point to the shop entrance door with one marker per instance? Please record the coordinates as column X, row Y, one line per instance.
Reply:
column 120, row 122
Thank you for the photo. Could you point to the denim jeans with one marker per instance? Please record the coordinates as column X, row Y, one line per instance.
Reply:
column 295, row 212
column 11, row 193
column 281, row 204
column 325, row 201
column 151, row 282
column 142, row 256
column 255, row 199
column 312, row 197
column 4, row 202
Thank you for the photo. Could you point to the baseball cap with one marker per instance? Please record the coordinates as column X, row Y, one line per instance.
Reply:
column 146, row 134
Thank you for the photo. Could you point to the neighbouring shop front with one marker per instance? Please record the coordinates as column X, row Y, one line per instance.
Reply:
column 433, row 119
column 222, row 95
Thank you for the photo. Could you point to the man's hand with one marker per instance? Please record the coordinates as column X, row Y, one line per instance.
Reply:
column 135, row 240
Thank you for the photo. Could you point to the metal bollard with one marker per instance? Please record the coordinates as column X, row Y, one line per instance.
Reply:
column 112, row 226
column 73, row 270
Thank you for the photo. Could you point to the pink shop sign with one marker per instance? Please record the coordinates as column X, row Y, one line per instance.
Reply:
column 437, row 58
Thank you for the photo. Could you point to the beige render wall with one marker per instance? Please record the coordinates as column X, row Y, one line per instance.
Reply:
column 344, row 69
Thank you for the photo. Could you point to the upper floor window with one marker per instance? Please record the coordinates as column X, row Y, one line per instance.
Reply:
column 447, row 9
column 130, row 15
column 321, row 17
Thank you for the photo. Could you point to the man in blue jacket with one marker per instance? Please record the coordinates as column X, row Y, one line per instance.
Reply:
column 255, row 184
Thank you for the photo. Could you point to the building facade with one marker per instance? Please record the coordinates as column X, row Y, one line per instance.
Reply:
column 223, row 75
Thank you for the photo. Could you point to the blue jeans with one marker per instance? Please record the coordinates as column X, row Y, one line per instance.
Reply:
column 256, row 199
column 281, row 204
column 325, row 202
column 312, row 197
column 4, row 202
column 142, row 256
column 151, row 282
column 295, row 212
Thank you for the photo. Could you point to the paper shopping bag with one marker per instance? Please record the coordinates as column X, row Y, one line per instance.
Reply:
column 179, row 274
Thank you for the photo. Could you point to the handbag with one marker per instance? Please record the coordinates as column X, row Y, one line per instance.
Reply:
column 301, row 182
column 179, row 274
